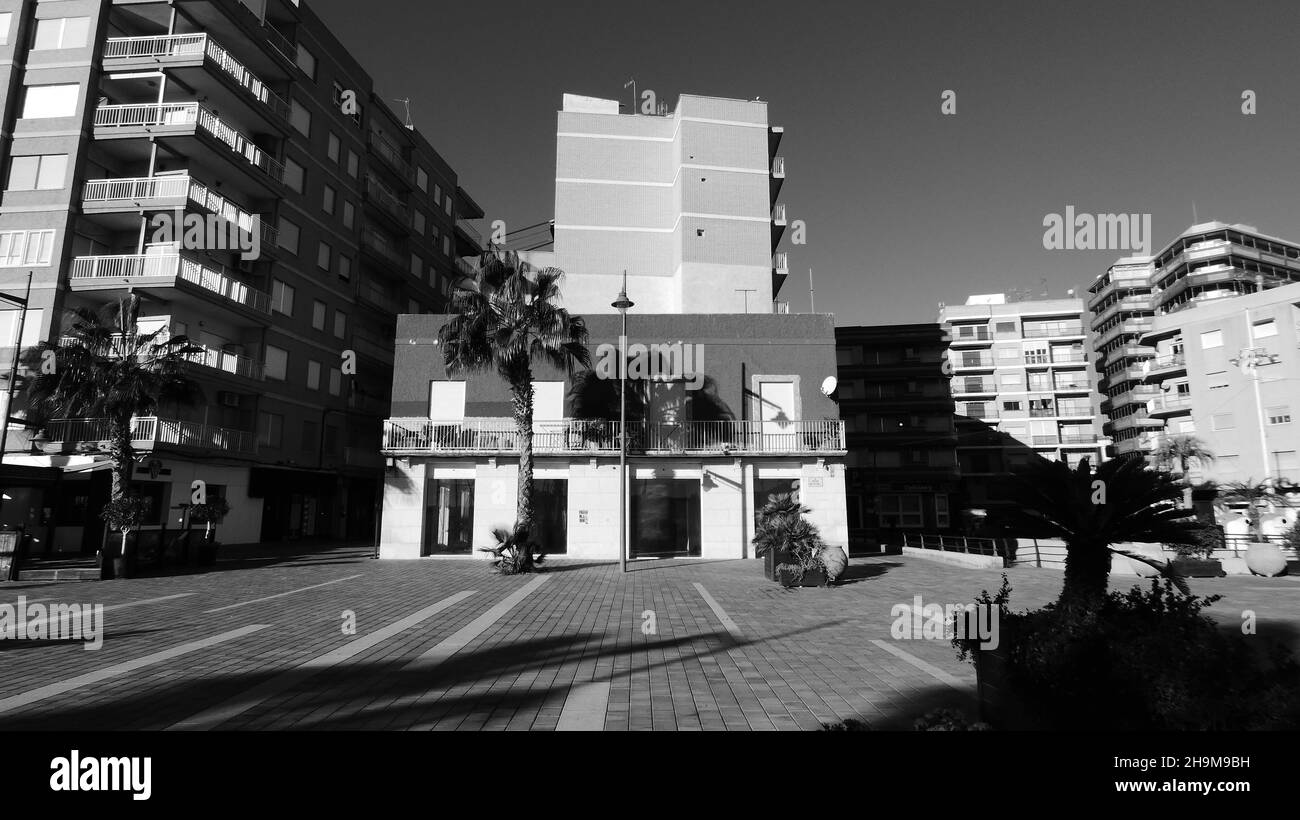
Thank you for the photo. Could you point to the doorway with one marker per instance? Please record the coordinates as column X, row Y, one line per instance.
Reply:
column 665, row 518
column 551, row 515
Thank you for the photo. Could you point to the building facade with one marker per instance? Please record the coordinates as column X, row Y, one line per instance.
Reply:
column 897, row 406
column 232, row 165
column 1022, row 387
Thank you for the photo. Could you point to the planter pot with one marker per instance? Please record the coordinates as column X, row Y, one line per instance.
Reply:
column 1265, row 559
column 999, row 705
column 1197, row 567
column 772, row 560
column 121, row 567
column 811, row 578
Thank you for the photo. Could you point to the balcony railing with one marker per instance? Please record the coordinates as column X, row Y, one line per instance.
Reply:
column 234, row 363
column 778, row 167
column 493, row 435
column 380, row 244
column 466, row 267
column 778, row 214
column 210, row 277
column 155, row 115
column 1171, row 360
column 1051, row 333
column 960, row 386
column 780, row 307
column 1173, row 403
column 148, row 432
column 1078, row 438
column 193, row 45
column 781, row 261
column 391, row 155
column 470, row 231
column 1045, row 441
column 174, row 190
column 385, row 198
column 978, row 334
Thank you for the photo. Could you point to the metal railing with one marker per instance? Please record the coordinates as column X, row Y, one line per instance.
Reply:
column 778, row 214
column 781, row 261
column 155, row 115
column 579, row 436
column 171, row 265
column 148, row 432
column 136, row 190
column 1049, row 333
column 392, row 155
column 953, row 543
column 780, row 307
column 380, row 244
column 778, row 167
column 470, row 231
column 380, row 194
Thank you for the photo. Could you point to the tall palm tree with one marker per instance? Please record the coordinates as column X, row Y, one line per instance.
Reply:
column 106, row 368
column 1181, row 450
column 1122, row 501
column 506, row 318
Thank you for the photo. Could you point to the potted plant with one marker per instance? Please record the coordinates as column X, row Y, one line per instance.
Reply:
column 1194, row 559
column 208, row 514
column 789, row 544
column 123, row 514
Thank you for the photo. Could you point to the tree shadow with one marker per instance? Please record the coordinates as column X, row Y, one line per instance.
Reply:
column 856, row 573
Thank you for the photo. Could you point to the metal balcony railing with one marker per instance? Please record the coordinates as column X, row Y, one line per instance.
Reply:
column 1054, row 332
column 171, row 265
column 778, row 167
column 383, row 196
column 781, row 261
column 158, row 115
column 494, row 435
column 778, row 214
column 148, row 432
column 234, row 363
column 193, row 45
column 174, row 190
column 391, row 155
column 380, row 244
column 470, row 231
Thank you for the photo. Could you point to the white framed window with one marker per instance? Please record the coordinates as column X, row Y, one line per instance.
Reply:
column 19, row 248
column 422, row 180
column 447, row 400
column 332, row 149
column 313, row 375
column 1265, row 329
column 323, row 254
column 340, row 324
column 349, row 214
column 327, row 203
column 336, row 381
column 318, row 310
column 61, row 32
column 282, row 297
column 288, row 236
column 38, row 172
column 1278, row 415
column 1222, row 421
column 277, row 363
column 6, row 22
column 293, row 174
column 45, row 101
column 1211, row 339
column 300, row 117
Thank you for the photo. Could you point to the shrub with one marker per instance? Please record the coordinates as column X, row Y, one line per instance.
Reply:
column 783, row 528
column 1291, row 538
column 948, row 720
column 123, row 513
column 1205, row 542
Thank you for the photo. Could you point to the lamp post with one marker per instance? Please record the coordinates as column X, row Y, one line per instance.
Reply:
column 622, row 303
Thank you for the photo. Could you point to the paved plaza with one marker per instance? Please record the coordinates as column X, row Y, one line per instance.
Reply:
column 261, row 644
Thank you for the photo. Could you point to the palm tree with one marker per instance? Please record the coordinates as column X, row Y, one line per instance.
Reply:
column 1122, row 501
column 1253, row 494
column 506, row 318
column 1181, row 450
column 106, row 368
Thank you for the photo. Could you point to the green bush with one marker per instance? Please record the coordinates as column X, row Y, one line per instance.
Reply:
column 1207, row 540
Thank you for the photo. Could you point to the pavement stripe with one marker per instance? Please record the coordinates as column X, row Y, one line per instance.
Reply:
column 110, row 608
column 721, row 613
column 584, row 708
column 53, row 689
column 454, row 643
column 222, row 712
column 279, row 595
column 931, row 670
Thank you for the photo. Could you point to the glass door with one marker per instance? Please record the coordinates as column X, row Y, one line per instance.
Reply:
column 449, row 516
column 665, row 518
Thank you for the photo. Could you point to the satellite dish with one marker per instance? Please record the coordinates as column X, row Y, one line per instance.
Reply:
column 829, row 385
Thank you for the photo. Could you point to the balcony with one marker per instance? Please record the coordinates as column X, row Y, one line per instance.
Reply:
column 1046, row 441
column 1127, row 304
column 1128, row 327
column 466, row 267
column 149, row 433
column 777, row 178
column 492, row 436
column 383, row 247
column 468, row 239
column 179, row 50
column 1069, row 358
column 778, row 223
column 97, row 273
column 181, row 119
column 131, row 194
column 1163, row 367
column 387, row 202
column 1167, row 405
column 969, row 334
column 1053, row 333
column 973, row 387
column 973, row 363
column 378, row 298
column 235, row 364
column 1071, row 386
column 990, row 413
column 1078, row 438
column 392, row 157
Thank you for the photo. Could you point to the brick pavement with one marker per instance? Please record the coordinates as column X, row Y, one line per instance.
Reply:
column 798, row 658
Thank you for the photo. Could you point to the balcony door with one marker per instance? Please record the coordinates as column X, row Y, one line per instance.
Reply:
column 778, row 413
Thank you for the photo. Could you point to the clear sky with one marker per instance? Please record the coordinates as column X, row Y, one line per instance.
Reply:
column 1110, row 107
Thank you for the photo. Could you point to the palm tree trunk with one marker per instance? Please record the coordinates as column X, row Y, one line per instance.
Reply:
column 521, row 392
column 1087, row 573
column 122, row 453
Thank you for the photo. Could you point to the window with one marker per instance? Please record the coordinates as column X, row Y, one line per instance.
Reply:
column 306, row 61
column 293, row 175
column 323, row 254
column 446, row 205
column 318, row 314
column 300, row 118
column 1222, row 421
column 941, row 511
column 270, row 429
column 900, row 510
column 416, row 265
column 1211, row 339
column 349, row 214
column 313, row 375
column 1266, row 328
column 336, row 381
column 1011, row 405
column 345, row 267
column 310, row 436
column 340, row 324
column 1008, row 353
column 1004, row 327
column 328, row 204
column 1286, row 464
column 422, row 180
column 446, row 246
column 6, row 22
column 61, row 32
column 1216, row 381
column 353, row 163
column 44, row 172
column 1011, row 380
column 18, row 248
column 447, row 400
column 332, row 150
column 288, row 236
column 437, row 194
column 1279, row 415
column 282, row 297
column 44, row 101
column 417, row 222
column 277, row 363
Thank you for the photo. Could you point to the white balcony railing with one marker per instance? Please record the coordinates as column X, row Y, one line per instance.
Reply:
column 195, row 45
column 148, row 432
column 778, row 167
column 170, row 266
column 781, row 262
column 175, row 190
column 496, row 435
column 161, row 115
column 778, row 214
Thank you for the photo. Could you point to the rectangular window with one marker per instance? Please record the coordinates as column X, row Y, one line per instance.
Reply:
column 18, row 248
column 417, row 265
column 447, row 401
column 6, row 22
column 332, row 149
column 1266, row 328
column 45, row 101
column 323, row 254
column 349, row 214
column 310, row 436
column 293, row 175
column 1286, row 465
column 437, row 194
column 353, row 163
column 446, row 246
column 417, row 222
column 288, row 236
column 318, row 315
column 345, row 267
column 327, row 205
column 61, row 32
column 446, row 205
column 270, row 429
column 300, row 118
column 277, row 363
column 1222, row 421
column 1004, row 327
column 941, row 519
column 282, row 297
column 1279, row 415
column 306, row 61
column 43, row 172
column 900, row 510
column 336, row 381
column 421, row 180
column 313, row 375
column 340, row 324
column 1211, row 339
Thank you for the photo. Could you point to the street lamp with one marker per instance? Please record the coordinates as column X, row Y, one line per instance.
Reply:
column 622, row 303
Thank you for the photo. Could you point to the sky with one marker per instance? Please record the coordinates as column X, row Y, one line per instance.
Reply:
column 1108, row 107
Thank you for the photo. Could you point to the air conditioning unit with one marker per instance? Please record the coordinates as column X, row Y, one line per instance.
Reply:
column 227, row 398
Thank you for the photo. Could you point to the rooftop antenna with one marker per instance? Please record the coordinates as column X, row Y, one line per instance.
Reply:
column 410, row 126
column 635, row 98
column 1196, row 220
column 812, row 301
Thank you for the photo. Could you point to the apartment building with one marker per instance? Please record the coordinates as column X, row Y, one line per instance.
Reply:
column 897, row 407
column 685, row 202
column 1208, row 261
column 726, row 407
column 1022, row 388
column 1226, row 371
column 123, row 119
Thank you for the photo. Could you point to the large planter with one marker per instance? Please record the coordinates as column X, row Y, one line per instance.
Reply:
column 999, row 705
column 1266, row 559
column 1197, row 567
column 810, row 578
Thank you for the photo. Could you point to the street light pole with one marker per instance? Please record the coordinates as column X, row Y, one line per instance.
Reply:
column 622, row 303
